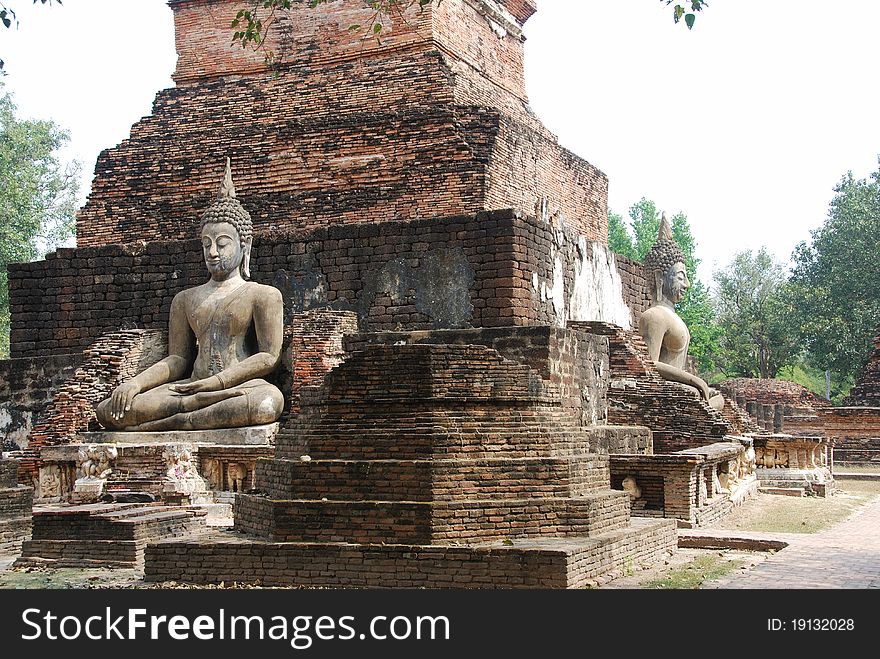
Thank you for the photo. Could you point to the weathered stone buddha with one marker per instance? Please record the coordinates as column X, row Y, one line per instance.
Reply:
column 662, row 328
column 223, row 338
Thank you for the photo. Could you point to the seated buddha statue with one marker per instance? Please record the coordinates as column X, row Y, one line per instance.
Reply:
column 224, row 337
column 664, row 331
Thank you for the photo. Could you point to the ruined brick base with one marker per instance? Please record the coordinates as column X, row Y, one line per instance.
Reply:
column 101, row 535
column 16, row 502
column 13, row 533
column 533, row 563
column 856, row 434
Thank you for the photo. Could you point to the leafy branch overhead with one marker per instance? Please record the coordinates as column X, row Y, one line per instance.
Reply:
column 690, row 17
column 7, row 17
column 253, row 23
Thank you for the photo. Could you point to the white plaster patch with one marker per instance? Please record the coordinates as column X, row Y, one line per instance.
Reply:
column 598, row 290
column 557, row 293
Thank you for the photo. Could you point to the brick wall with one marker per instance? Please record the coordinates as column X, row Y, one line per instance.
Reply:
column 16, row 503
column 316, row 347
column 856, row 434
column 777, row 405
column 26, row 387
column 574, row 361
column 309, row 148
column 489, row 270
column 110, row 361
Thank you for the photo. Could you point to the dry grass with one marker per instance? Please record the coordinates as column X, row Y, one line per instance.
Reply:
column 767, row 513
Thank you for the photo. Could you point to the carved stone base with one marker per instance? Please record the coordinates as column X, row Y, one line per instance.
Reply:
column 250, row 436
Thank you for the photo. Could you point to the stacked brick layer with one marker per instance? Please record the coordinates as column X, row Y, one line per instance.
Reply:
column 550, row 563
column 485, row 449
column 16, row 502
column 97, row 534
column 454, row 135
column 408, row 450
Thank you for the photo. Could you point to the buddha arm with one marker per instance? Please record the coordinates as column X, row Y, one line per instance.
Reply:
column 677, row 375
column 181, row 348
column 268, row 318
column 653, row 333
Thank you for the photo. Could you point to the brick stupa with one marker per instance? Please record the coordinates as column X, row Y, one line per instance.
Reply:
column 430, row 121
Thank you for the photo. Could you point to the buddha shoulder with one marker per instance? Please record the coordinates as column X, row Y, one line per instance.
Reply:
column 263, row 294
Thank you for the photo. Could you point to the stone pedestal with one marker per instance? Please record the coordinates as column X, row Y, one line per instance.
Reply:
column 176, row 467
column 785, row 462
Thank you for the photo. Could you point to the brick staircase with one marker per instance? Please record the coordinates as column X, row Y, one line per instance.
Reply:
column 426, row 466
column 104, row 535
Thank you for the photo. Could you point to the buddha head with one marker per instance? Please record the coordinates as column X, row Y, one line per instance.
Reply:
column 226, row 232
column 666, row 268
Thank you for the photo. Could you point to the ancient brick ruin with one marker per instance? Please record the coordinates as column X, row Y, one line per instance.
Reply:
column 463, row 384
column 794, row 451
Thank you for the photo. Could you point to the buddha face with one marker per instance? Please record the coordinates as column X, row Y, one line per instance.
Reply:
column 222, row 248
column 675, row 282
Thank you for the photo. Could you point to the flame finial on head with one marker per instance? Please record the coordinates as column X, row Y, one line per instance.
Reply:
column 227, row 187
column 665, row 232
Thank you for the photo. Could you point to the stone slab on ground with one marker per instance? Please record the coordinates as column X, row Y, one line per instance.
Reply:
column 250, row 436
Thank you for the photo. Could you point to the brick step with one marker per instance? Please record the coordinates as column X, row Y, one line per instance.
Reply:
column 433, row 372
column 429, row 523
column 784, row 491
column 116, row 522
column 576, row 562
column 433, row 480
column 82, row 553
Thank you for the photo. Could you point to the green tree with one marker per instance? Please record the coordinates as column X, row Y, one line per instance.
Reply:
column 636, row 240
column 619, row 240
column 755, row 315
column 38, row 196
column 836, row 278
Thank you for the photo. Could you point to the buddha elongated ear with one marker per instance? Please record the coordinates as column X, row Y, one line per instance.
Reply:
column 246, row 245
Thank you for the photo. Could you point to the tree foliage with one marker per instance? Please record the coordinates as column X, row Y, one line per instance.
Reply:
column 8, row 19
column 755, row 314
column 38, row 196
column 635, row 239
column 836, row 278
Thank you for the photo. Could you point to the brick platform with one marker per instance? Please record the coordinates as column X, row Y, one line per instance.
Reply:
column 104, row 535
column 416, row 465
column 16, row 502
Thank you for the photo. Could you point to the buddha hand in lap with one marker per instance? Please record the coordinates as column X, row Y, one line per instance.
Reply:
column 662, row 328
column 223, row 338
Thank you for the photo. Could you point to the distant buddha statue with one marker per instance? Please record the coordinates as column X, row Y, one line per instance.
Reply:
column 223, row 338
column 664, row 331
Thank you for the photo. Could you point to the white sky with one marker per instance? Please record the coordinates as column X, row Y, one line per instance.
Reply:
column 745, row 124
